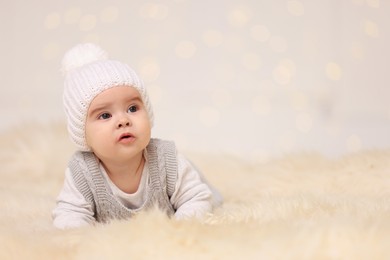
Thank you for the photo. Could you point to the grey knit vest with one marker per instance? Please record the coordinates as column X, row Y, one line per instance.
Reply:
column 91, row 183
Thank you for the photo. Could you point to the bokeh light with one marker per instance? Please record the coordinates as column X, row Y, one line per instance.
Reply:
column 373, row 3
column 212, row 38
column 239, row 16
column 154, row 11
column 284, row 72
column 295, row 8
column 299, row 101
column 370, row 28
column 288, row 64
column 333, row 71
column 52, row 21
column 109, row 14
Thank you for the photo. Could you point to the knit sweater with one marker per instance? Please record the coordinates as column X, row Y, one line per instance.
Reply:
column 191, row 195
column 95, row 189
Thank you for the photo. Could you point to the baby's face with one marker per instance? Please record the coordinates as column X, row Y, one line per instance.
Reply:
column 117, row 125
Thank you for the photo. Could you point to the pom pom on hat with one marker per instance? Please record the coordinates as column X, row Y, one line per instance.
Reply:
column 88, row 72
column 81, row 55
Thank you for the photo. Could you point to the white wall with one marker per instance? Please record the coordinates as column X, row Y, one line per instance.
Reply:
column 253, row 78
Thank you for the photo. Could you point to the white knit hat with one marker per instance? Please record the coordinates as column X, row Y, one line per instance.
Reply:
column 88, row 72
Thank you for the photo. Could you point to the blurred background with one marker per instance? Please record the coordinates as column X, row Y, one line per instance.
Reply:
column 250, row 78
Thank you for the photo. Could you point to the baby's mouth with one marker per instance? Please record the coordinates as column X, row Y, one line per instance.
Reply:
column 125, row 136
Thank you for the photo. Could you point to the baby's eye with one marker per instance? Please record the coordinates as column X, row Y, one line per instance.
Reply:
column 105, row 116
column 132, row 109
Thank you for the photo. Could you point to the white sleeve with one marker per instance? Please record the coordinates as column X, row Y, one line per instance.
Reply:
column 192, row 196
column 72, row 209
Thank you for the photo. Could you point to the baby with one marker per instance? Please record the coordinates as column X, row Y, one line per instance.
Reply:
column 119, row 170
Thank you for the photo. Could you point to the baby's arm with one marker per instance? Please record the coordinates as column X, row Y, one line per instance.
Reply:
column 192, row 196
column 72, row 209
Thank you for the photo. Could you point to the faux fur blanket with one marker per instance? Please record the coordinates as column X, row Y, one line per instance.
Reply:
column 298, row 207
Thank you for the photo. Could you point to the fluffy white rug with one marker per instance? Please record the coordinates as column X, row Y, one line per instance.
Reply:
column 297, row 207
